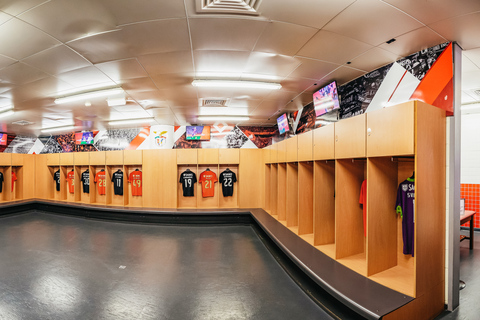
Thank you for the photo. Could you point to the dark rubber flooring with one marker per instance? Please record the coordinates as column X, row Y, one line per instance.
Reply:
column 57, row 267
column 470, row 273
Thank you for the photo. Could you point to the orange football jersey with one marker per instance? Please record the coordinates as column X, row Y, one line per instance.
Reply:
column 135, row 178
column 100, row 179
column 208, row 179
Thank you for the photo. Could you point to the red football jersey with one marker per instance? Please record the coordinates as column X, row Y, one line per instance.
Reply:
column 100, row 179
column 208, row 179
column 14, row 177
column 71, row 180
column 135, row 178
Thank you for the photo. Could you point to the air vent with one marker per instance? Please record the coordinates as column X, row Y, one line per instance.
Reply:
column 248, row 7
column 477, row 92
column 213, row 102
column 23, row 122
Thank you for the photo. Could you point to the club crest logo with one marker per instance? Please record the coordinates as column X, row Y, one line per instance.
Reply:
column 405, row 188
column 160, row 138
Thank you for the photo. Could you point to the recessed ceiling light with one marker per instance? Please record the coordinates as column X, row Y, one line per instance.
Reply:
column 223, row 111
column 89, row 95
column 116, row 102
column 236, row 84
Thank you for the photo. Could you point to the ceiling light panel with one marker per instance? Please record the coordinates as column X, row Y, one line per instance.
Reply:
column 89, row 95
column 236, row 84
column 225, row 111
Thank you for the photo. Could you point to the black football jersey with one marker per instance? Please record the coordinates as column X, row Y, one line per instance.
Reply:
column 227, row 179
column 56, row 177
column 188, row 180
column 86, row 181
column 1, row 182
column 117, row 179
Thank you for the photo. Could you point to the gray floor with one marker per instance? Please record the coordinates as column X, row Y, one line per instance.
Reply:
column 470, row 273
column 56, row 267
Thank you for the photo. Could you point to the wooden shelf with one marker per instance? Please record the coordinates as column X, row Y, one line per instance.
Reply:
column 328, row 249
column 357, row 263
column 399, row 278
column 308, row 237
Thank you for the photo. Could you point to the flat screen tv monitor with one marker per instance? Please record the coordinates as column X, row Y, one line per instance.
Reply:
column 3, row 139
column 198, row 133
column 326, row 99
column 282, row 123
column 84, row 137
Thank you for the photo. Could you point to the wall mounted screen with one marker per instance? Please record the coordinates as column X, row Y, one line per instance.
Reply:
column 326, row 99
column 198, row 133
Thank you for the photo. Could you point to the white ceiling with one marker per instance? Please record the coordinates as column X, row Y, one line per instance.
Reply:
column 154, row 49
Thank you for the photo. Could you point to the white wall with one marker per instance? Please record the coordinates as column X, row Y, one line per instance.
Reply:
column 470, row 149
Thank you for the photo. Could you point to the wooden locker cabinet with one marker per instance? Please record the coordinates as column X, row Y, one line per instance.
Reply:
column 324, row 143
column 292, row 149
column 305, row 146
column 231, row 156
column 274, row 153
column 350, row 137
column 66, row 159
column 207, row 156
column 390, row 131
column 402, row 139
column 186, row 156
column 282, row 151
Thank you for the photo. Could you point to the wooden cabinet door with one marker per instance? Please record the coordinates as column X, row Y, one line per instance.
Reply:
column 305, row 146
column 350, row 138
column 324, row 143
column 390, row 131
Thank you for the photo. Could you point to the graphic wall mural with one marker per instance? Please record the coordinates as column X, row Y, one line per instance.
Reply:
column 426, row 75
column 154, row 137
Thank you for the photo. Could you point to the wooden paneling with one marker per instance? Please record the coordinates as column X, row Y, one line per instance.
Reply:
column 267, row 186
column 62, row 195
column 5, row 159
column 66, row 159
column 267, row 154
column 151, row 174
column 305, row 198
column 29, row 176
column 251, row 178
column 97, row 158
column 349, row 235
column 282, row 192
column 292, row 195
column 274, row 153
column 230, row 201
column 132, row 157
column 53, row 159
column 381, row 215
column 292, row 149
column 81, row 159
column 114, row 157
column 305, row 146
column 186, row 156
column 324, row 143
column 207, row 156
column 324, row 216
column 17, row 159
column 272, row 187
column 429, row 201
column 390, row 131
column 229, row 156
column 281, row 151
column 43, row 179
column 207, row 202
column 350, row 137
column 168, row 179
